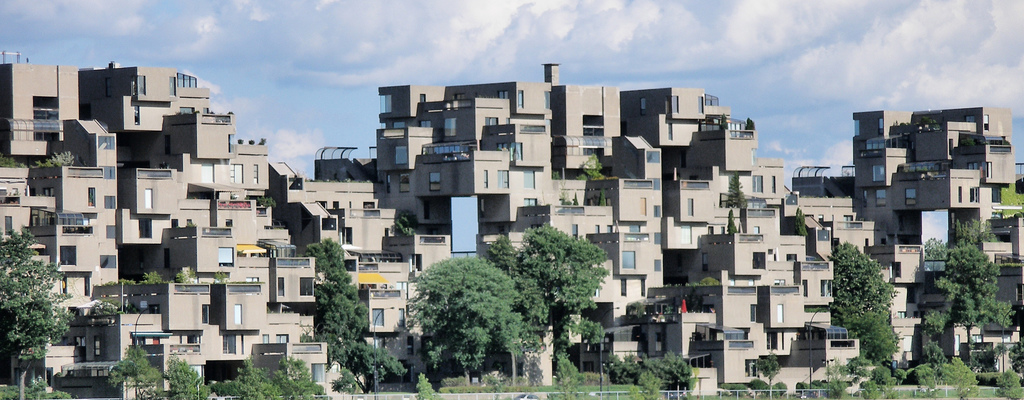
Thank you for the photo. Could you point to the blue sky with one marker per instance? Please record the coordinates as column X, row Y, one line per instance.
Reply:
column 303, row 74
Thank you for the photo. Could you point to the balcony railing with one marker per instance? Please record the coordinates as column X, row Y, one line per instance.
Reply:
column 532, row 128
column 297, row 262
column 234, row 205
column 210, row 119
column 187, row 348
column 636, row 237
column 760, row 213
column 217, row 232
column 850, row 225
column 245, row 289
column 191, row 289
column 432, row 240
column 741, row 344
column 814, row 266
column 307, row 348
column 76, row 230
column 741, row 290
column 153, row 173
column 694, row 185
column 385, row 293
column 85, row 172
column 637, row 184
column 742, row 135
column 749, row 238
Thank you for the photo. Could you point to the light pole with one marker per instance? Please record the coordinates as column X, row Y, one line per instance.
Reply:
column 810, row 365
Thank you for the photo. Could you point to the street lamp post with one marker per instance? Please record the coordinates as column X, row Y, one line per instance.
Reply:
column 810, row 364
column 373, row 329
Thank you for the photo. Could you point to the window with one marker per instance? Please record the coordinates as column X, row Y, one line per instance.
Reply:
column 97, row 345
column 449, row 126
column 425, row 124
column 547, row 100
column 530, row 203
column 385, row 103
column 106, row 87
column 138, row 115
column 68, row 255
column 256, row 173
column 975, row 194
column 520, row 99
column 908, row 341
column 282, row 338
column 773, row 184
column 689, row 207
column 435, row 181
column 238, row 314
column 280, row 287
column 880, row 197
column 489, row 121
column 804, row 284
column 409, row 345
column 529, row 180
column 657, row 265
column 206, row 173
column 986, row 121
column 401, row 317
column 629, row 260
column 759, row 260
column 503, row 94
column 753, row 313
column 657, row 211
column 487, row 179
column 226, row 256
column 148, row 199
column 403, row 183
column 643, row 106
column 401, row 155
column 780, row 313
column 575, row 230
column 106, row 142
column 206, row 314
column 503, row 179
column 111, row 231
column 758, row 184
column 108, row 261
column 881, row 126
column 92, row 197
column 623, row 287
column 826, row 288
column 236, row 173
column 685, row 234
column 145, row 228
column 378, row 317
column 674, row 103
column 318, row 372
column 653, row 157
column 877, row 173
column 230, row 344
column 700, row 104
column 109, row 202
column 657, row 237
column 305, row 286
column 911, row 194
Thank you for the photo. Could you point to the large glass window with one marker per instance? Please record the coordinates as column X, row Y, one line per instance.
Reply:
column 385, row 103
column 68, row 255
column 435, row 181
column 758, row 184
column 226, row 256
column 238, row 314
column 378, row 317
column 206, row 173
column 236, row 173
column 878, row 173
column 449, row 126
column 305, row 286
column 503, row 179
column 629, row 260
column 230, row 344
column 401, row 155
column 148, row 198
column 529, row 180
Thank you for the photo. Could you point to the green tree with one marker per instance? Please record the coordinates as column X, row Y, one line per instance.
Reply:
column 972, row 232
column 555, row 278
column 9, row 162
column 935, row 250
column 183, row 382
column 406, row 223
column 648, row 388
column 750, row 125
column 294, row 381
column 622, row 372
column 134, row 372
column 502, row 254
column 567, row 379
column 933, row 355
column 424, row 391
column 35, row 390
column 731, row 226
column 861, row 302
column 592, row 167
column 673, row 370
column 970, row 287
column 926, row 379
column 768, row 367
column 30, row 311
column 1009, row 385
column 960, row 377
column 341, row 321
column 735, row 197
column 837, row 376
column 800, row 223
column 467, row 304
column 1017, row 358
column 253, row 384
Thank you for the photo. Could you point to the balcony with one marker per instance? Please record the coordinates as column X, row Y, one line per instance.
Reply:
column 242, row 205
column 188, row 348
column 154, row 173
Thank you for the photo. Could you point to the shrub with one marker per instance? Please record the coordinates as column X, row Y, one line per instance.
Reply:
column 758, row 384
column 453, row 382
column 988, row 378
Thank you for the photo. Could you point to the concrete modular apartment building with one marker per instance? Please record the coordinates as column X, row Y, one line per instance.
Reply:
column 183, row 195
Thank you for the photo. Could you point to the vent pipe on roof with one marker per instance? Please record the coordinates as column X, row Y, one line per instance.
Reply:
column 551, row 74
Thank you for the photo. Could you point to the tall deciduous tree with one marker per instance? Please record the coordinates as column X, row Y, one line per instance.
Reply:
column 135, row 373
column 341, row 321
column 735, row 197
column 555, row 278
column 294, row 381
column 183, row 382
column 502, row 254
column 861, row 301
column 768, row 367
column 960, row 377
column 467, row 304
column 970, row 287
column 30, row 311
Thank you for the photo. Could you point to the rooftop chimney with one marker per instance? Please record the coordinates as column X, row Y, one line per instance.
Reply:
column 551, row 74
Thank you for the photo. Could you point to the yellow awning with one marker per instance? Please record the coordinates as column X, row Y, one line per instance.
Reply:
column 371, row 277
column 250, row 249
